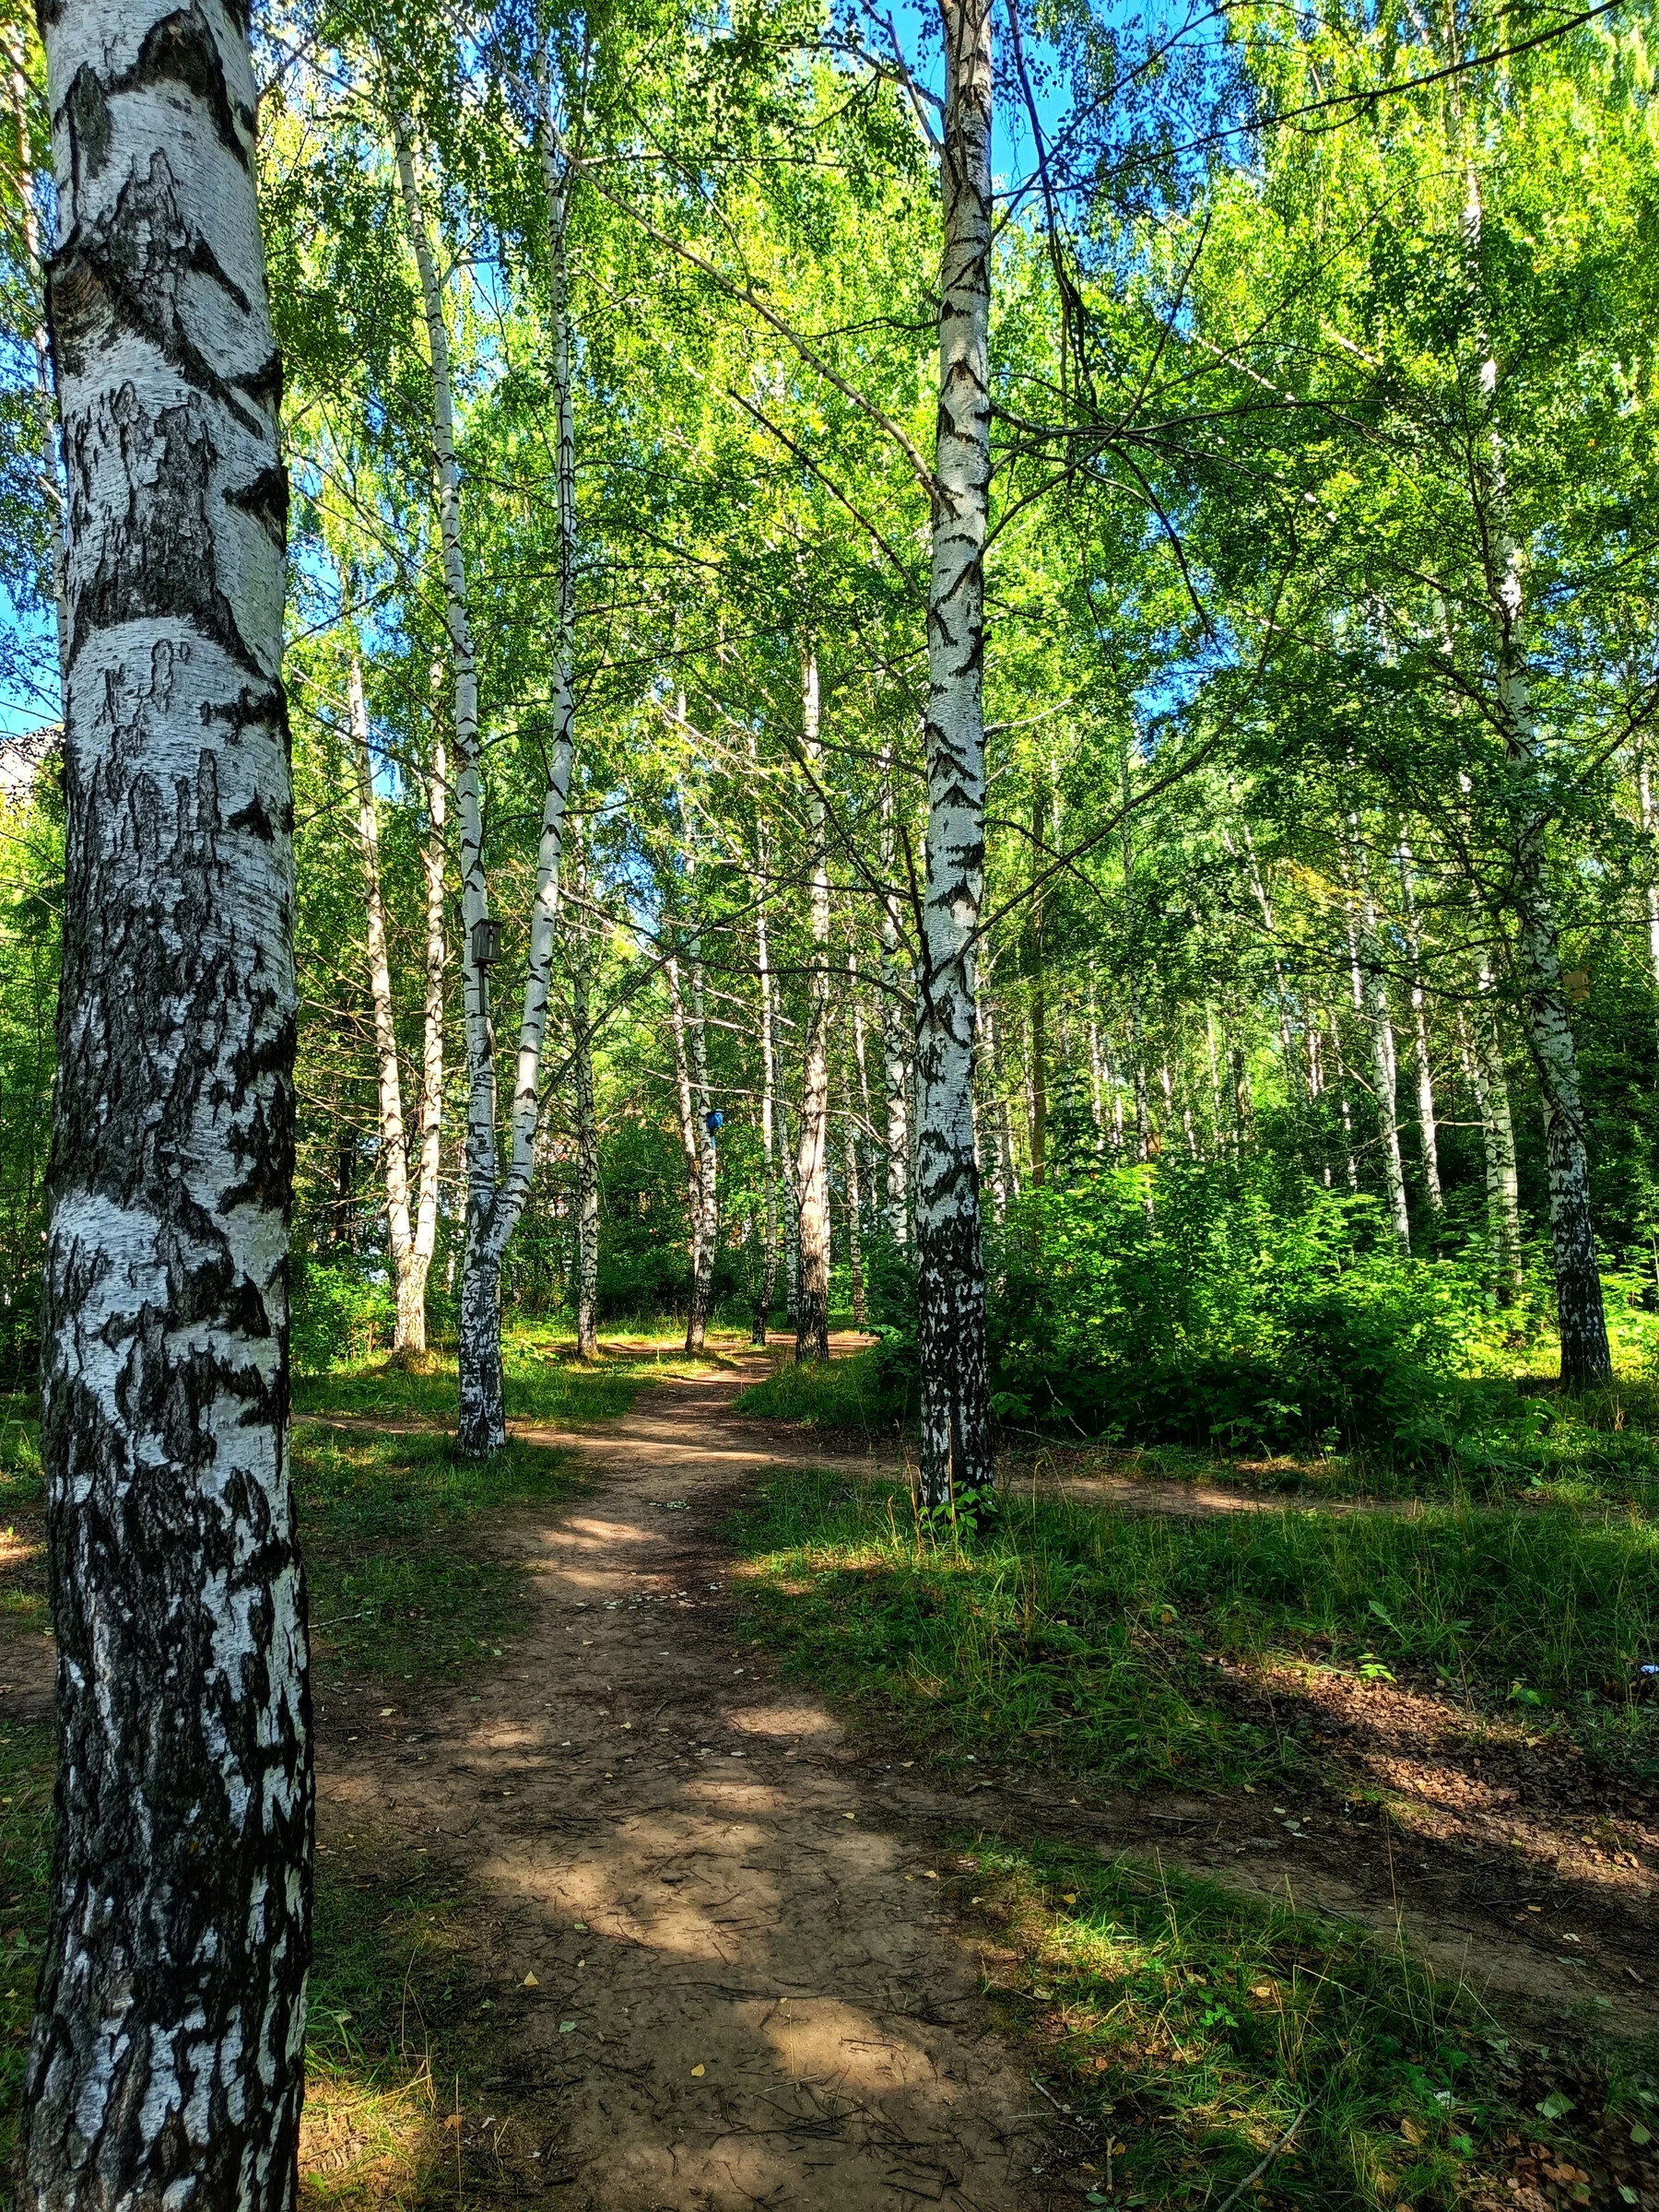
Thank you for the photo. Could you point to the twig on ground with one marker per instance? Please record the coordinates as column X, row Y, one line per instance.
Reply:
column 1262, row 2163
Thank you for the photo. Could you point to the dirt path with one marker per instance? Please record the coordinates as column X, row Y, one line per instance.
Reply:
column 742, row 1988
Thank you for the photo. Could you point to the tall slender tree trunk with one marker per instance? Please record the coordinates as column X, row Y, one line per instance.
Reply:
column 706, row 1180
column 812, row 1166
column 1002, row 1149
column 393, row 1139
column 1370, row 1005
column 1422, row 1067
column 1644, row 802
column 584, row 944
column 166, row 2064
column 1490, row 1087
column 855, row 1231
column 1037, row 986
column 893, row 1075
column 494, row 1201
column 792, row 1219
column 955, row 1413
column 1586, row 1356
column 685, row 1094
column 769, row 1088
column 412, row 1236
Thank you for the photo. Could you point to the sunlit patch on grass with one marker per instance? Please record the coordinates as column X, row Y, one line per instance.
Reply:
column 1101, row 1636
column 367, row 2139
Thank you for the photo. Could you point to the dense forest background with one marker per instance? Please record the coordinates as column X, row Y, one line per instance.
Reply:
column 1320, row 663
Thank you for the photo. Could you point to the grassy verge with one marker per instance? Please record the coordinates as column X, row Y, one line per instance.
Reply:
column 402, row 2035
column 546, row 1384
column 843, row 1393
column 1188, row 2031
column 1096, row 1634
column 384, row 1521
column 1506, row 1439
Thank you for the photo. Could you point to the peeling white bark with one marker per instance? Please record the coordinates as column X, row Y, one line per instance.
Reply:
column 956, row 1418
column 812, row 1164
column 164, row 2065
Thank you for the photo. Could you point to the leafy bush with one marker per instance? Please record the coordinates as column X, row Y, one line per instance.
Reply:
column 1212, row 1305
column 340, row 1314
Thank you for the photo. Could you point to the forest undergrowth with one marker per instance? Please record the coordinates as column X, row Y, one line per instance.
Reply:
column 1179, row 2022
column 1115, row 1636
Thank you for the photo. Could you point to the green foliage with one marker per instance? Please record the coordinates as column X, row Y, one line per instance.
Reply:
column 1094, row 1633
column 1248, row 1310
column 341, row 1312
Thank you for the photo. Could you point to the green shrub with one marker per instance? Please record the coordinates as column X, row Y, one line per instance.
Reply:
column 1244, row 1309
column 341, row 1315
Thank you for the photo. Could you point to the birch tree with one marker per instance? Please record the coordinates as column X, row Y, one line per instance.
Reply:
column 165, row 2065
column 412, row 1234
column 812, row 1165
column 957, row 1462
column 495, row 1198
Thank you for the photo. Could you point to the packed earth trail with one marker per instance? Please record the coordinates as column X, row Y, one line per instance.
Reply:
column 723, row 1955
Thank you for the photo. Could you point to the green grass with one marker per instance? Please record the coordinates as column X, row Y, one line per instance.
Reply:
column 401, row 2029
column 20, row 1483
column 1094, row 1633
column 840, row 1394
column 1187, row 2028
column 545, row 1384
column 383, row 1521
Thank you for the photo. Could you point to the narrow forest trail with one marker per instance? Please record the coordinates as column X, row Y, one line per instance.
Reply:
column 756, row 1977
column 746, row 1988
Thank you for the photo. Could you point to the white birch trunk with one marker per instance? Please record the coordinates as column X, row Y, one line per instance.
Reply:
column 393, row 1140
column 769, row 1082
column 1586, row 1357
column 706, row 1186
column 587, row 1132
column 812, row 1166
column 1370, row 1005
column 494, row 1201
column 895, row 1085
column 166, row 2062
column 413, row 1326
column 955, row 1453
column 1002, row 1144
column 686, row 1101
column 1498, row 1146
column 791, row 1219
column 1422, row 1067
column 1644, row 802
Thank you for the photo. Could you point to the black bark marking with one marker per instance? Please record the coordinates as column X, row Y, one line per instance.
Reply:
column 254, row 819
column 126, row 272
column 149, row 560
column 90, row 130
column 267, row 500
column 181, row 50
